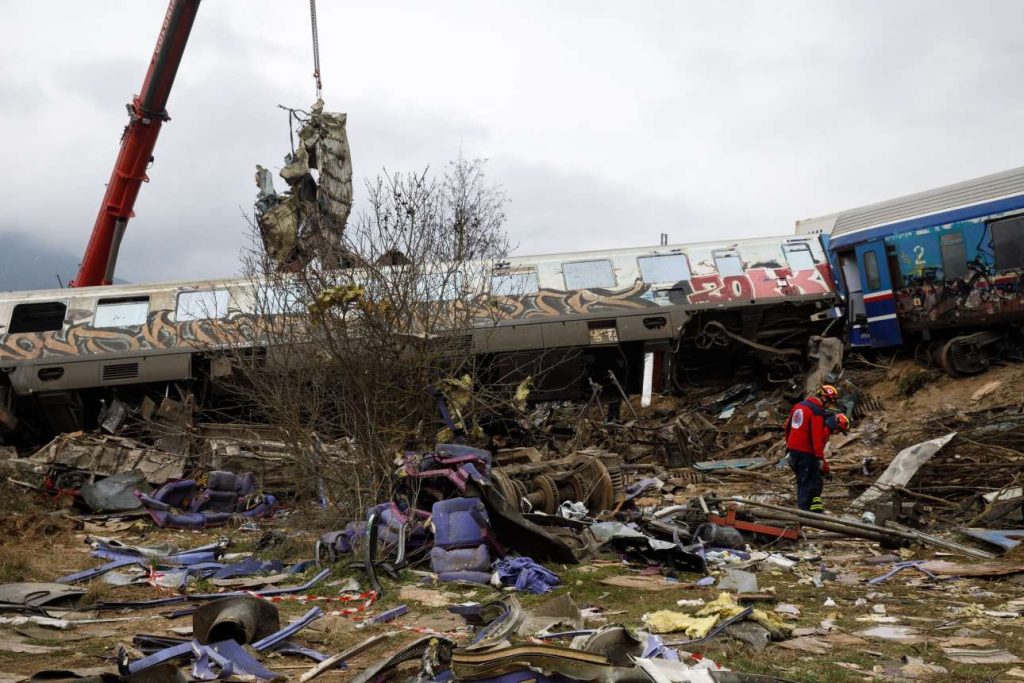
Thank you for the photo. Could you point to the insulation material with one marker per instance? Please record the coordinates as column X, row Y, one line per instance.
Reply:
column 667, row 621
column 695, row 625
column 307, row 220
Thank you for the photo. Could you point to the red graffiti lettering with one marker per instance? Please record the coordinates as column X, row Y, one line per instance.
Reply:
column 707, row 289
column 766, row 281
column 739, row 287
column 809, row 281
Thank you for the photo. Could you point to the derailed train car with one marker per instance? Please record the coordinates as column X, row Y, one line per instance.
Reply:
column 945, row 266
column 677, row 311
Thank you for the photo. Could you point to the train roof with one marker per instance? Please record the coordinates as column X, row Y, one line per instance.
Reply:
column 909, row 212
column 125, row 290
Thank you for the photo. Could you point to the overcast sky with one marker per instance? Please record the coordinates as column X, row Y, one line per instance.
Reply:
column 606, row 122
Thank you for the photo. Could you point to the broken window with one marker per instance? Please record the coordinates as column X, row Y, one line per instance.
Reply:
column 47, row 316
column 798, row 256
column 515, row 283
column 1008, row 243
column 123, row 312
column 588, row 274
column 663, row 268
column 205, row 305
column 954, row 255
column 871, row 272
column 728, row 263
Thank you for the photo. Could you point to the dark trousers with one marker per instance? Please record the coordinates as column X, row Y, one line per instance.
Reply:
column 809, row 483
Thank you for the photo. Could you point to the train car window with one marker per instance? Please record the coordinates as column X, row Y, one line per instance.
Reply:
column 47, row 316
column 728, row 263
column 662, row 268
column 276, row 300
column 589, row 274
column 954, row 256
column 1008, row 243
column 798, row 256
column 871, row 272
column 123, row 312
column 440, row 286
column 515, row 283
column 205, row 305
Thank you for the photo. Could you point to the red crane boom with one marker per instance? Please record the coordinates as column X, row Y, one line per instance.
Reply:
column 147, row 113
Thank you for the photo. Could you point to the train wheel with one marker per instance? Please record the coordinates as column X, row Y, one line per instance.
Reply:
column 546, row 485
column 965, row 355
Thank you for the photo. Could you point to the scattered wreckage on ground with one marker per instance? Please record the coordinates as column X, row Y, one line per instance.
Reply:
column 516, row 522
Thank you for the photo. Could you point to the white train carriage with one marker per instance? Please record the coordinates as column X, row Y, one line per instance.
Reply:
column 54, row 343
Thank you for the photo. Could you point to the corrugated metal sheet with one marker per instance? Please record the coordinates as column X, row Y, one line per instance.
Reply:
column 986, row 188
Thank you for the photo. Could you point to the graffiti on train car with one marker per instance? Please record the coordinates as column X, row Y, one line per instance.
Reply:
column 158, row 334
column 760, row 283
column 553, row 302
column 958, row 301
column 948, row 276
column 756, row 283
column 162, row 333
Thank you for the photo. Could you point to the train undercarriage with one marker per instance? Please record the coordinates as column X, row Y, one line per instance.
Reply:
column 764, row 343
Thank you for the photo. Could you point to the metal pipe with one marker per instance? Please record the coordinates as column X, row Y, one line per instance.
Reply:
column 816, row 521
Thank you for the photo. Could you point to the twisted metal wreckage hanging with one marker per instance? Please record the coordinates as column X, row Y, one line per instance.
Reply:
column 307, row 220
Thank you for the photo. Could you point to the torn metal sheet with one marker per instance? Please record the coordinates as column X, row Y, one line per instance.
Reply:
column 903, row 468
column 428, row 650
column 734, row 464
column 116, row 493
column 559, row 611
column 1007, row 539
column 39, row 594
column 108, row 455
column 1007, row 504
column 297, row 226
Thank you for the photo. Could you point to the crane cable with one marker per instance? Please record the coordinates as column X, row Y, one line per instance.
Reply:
column 316, row 50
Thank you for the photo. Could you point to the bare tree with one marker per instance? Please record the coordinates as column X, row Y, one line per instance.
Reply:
column 349, row 353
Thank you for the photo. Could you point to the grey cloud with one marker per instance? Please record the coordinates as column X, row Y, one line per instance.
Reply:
column 607, row 124
column 28, row 263
column 552, row 210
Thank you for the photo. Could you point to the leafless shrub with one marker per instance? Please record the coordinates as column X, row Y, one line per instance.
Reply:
column 349, row 353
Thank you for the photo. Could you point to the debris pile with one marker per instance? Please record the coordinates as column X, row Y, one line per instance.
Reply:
column 664, row 548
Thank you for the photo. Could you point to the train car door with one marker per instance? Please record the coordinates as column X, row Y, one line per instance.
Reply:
column 853, row 294
column 879, row 300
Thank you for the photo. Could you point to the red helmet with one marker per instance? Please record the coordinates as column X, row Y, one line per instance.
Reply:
column 828, row 394
column 842, row 422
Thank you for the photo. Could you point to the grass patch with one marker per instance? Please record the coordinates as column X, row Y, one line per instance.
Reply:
column 98, row 591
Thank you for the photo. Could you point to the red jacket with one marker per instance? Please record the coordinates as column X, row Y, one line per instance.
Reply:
column 805, row 429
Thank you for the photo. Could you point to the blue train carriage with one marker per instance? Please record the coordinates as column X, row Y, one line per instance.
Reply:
column 943, row 266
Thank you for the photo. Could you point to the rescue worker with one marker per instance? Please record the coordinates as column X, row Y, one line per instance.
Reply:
column 808, row 429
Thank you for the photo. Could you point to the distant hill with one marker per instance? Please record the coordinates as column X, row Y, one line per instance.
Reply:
column 27, row 263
